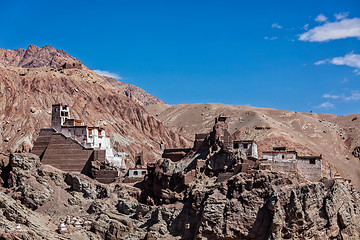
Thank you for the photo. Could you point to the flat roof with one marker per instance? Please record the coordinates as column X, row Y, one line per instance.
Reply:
column 279, row 152
column 309, row 157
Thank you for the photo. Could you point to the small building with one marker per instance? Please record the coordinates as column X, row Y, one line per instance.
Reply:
column 137, row 172
column 249, row 146
column 283, row 160
column 310, row 167
column 279, row 154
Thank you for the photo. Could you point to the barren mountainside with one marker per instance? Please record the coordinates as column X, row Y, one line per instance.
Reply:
column 47, row 56
column 28, row 93
column 135, row 93
column 333, row 136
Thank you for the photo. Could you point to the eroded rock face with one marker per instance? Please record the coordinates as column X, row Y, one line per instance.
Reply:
column 253, row 205
column 265, row 205
column 34, row 57
column 356, row 152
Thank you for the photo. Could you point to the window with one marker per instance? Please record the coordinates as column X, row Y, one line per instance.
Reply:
column 99, row 145
column 135, row 173
column 312, row 161
column 245, row 145
column 143, row 172
column 236, row 145
column 283, row 156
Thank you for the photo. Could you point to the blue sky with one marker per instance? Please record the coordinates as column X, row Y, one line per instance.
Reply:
column 301, row 56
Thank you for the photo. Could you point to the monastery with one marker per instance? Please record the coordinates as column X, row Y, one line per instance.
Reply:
column 72, row 146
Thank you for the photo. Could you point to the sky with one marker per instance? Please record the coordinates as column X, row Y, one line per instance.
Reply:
column 289, row 55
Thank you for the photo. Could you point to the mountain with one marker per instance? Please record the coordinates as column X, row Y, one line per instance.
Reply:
column 333, row 136
column 47, row 56
column 34, row 57
column 135, row 93
column 27, row 94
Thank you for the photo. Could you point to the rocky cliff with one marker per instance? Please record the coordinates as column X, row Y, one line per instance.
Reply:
column 255, row 205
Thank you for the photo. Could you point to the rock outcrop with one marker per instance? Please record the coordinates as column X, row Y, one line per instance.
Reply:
column 35, row 57
column 253, row 205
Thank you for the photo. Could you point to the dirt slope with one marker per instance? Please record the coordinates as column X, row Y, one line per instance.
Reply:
column 309, row 133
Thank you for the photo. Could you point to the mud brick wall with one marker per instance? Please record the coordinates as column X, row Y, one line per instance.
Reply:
column 312, row 172
column 283, row 166
column 175, row 154
column 42, row 141
column 106, row 176
column 66, row 154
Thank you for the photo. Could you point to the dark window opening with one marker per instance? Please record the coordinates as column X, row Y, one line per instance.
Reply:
column 283, row 156
column 143, row 172
column 312, row 161
column 135, row 173
column 236, row 145
column 245, row 145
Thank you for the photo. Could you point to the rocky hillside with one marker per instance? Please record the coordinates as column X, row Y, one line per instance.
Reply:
column 47, row 56
column 34, row 57
column 35, row 199
column 28, row 93
column 135, row 93
column 336, row 137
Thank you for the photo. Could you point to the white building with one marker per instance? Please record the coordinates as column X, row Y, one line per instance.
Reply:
column 280, row 154
column 89, row 137
column 248, row 146
column 137, row 172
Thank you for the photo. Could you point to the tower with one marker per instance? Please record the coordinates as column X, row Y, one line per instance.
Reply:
column 59, row 114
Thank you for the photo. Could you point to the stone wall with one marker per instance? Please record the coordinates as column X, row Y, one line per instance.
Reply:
column 311, row 171
column 286, row 166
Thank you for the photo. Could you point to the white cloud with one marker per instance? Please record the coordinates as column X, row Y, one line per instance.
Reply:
column 108, row 74
column 341, row 15
column 306, row 27
column 271, row 38
column 320, row 62
column 331, row 96
column 345, row 80
column 355, row 96
column 350, row 59
column 326, row 105
column 321, row 18
column 333, row 30
column 276, row 25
